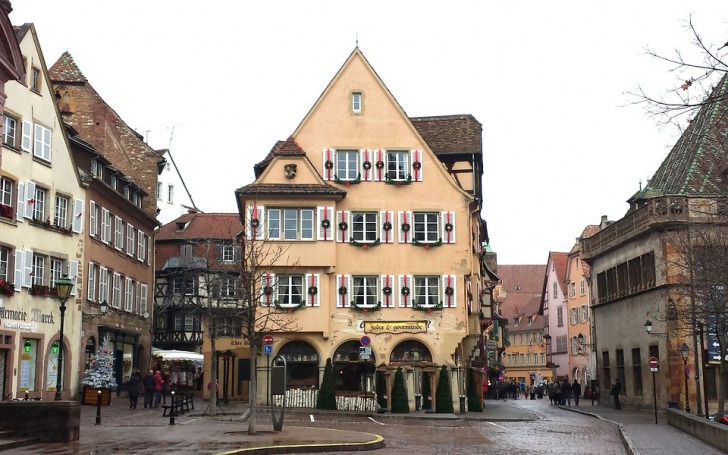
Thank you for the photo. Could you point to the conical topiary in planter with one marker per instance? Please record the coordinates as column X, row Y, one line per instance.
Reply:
column 399, row 394
column 426, row 392
column 327, row 393
column 381, row 390
column 444, row 393
column 475, row 404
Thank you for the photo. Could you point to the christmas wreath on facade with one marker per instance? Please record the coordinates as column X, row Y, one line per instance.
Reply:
column 325, row 224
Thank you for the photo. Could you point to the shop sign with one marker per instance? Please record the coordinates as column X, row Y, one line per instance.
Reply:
column 22, row 320
column 395, row 326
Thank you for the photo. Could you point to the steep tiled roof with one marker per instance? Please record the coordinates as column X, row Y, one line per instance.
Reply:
column 278, row 189
column 522, row 305
column 223, row 226
column 21, row 30
column 65, row 70
column 451, row 134
column 696, row 165
column 560, row 261
column 289, row 147
column 522, row 279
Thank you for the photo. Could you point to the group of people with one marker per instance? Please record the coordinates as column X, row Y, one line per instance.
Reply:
column 151, row 386
column 561, row 392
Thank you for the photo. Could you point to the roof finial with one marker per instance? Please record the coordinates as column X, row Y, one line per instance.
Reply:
column 357, row 39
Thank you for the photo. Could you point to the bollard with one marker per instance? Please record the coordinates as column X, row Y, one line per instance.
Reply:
column 171, row 410
column 98, row 407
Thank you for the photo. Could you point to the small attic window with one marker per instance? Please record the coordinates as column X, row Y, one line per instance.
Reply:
column 515, row 321
column 530, row 319
column 356, row 102
column 181, row 226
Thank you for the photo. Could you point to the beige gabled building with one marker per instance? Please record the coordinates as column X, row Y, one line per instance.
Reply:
column 385, row 249
column 41, row 225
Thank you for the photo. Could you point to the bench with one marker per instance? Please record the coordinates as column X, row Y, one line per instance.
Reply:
column 180, row 404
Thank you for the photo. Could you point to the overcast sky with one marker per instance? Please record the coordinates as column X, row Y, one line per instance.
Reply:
column 218, row 82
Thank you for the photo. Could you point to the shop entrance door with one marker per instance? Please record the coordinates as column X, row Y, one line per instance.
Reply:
column 3, row 362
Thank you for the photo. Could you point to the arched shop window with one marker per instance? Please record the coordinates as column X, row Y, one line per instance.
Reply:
column 303, row 364
column 90, row 350
column 354, row 372
column 411, row 351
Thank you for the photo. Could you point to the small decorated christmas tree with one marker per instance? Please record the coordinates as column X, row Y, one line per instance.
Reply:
column 327, row 394
column 100, row 373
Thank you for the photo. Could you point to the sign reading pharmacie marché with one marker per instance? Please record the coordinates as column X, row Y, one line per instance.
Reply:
column 24, row 320
column 395, row 326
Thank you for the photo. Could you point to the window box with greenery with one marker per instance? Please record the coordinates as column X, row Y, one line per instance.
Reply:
column 7, row 288
column 38, row 289
column 7, row 211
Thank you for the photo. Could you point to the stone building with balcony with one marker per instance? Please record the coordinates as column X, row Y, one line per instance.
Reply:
column 638, row 271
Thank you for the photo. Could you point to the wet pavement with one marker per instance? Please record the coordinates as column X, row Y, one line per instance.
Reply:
column 506, row 426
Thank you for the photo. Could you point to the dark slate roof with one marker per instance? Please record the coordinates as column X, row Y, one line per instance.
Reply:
column 280, row 189
column 289, row 147
column 21, row 30
column 65, row 70
column 696, row 165
column 451, row 134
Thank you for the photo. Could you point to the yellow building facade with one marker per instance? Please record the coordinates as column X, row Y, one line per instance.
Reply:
column 367, row 223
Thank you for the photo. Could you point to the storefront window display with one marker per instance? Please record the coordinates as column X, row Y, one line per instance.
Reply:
column 28, row 365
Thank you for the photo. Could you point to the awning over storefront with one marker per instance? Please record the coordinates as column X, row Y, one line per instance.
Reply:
column 174, row 354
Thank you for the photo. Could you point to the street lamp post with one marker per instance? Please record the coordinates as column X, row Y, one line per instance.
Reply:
column 63, row 291
column 685, row 352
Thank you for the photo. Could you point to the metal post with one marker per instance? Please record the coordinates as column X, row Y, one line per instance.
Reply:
column 687, row 397
column 267, row 380
column 59, row 375
column 171, row 409
column 98, row 407
column 654, row 395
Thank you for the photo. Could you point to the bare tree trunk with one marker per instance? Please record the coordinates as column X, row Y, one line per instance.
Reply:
column 213, row 376
column 721, row 383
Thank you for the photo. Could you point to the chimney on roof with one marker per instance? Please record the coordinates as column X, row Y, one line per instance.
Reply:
column 603, row 223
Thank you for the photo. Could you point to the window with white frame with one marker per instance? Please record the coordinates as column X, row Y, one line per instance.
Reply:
column 347, row 165
column 141, row 246
column 5, row 264
column 103, row 285
column 93, row 219
column 10, row 132
column 159, row 191
column 573, row 316
column 38, row 269
column 290, row 290
column 143, row 299
column 189, row 322
column 130, row 239
column 356, row 102
column 364, row 226
column 114, row 182
column 365, row 291
column 290, row 224
column 60, row 217
column 170, row 194
column 39, row 204
column 42, row 143
column 228, row 253
column 92, row 272
column 584, row 313
column 555, row 291
column 129, row 295
column 572, row 290
column 229, row 327
column 6, row 194
column 35, row 79
column 427, row 291
column 118, row 233
column 582, row 287
column 105, row 226
column 398, row 165
column 127, row 192
column 56, row 271
column 426, row 227
column 560, row 316
column 226, row 287
column 116, row 291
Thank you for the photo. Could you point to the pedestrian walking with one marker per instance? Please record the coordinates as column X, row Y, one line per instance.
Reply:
column 566, row 393
column 149, row 389
column 485, row 390
column 136, row 387
column 158, row 382
column 576, row 391
column 616, row 390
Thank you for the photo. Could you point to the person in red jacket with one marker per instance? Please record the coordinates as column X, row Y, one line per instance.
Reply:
column 158, row 382
column 485, row 390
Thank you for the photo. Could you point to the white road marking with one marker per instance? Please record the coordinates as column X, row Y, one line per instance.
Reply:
column 496, row 425
column 372, row 419
column 311, row 417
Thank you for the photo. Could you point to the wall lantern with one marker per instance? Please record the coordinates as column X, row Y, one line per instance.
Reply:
column 27, row 346
column 54, row 347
